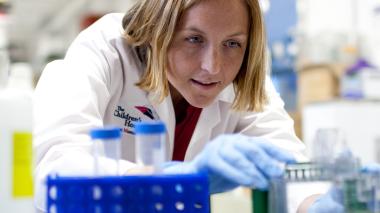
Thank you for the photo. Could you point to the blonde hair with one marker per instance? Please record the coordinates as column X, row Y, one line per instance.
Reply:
column 149, row 26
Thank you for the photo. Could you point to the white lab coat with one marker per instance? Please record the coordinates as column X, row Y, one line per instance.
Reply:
column 95, row 85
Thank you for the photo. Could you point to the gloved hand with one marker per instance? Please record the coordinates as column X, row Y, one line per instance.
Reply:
column 233, row 160
column 331, row 202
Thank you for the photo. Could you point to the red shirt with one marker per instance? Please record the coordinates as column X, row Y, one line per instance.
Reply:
column 183, row 132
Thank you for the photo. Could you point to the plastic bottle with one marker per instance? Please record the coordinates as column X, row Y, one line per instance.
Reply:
column 150, row 144
column 106, row 151
column 16, row 152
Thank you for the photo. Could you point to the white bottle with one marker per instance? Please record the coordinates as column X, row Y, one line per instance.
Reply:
column 16, row 161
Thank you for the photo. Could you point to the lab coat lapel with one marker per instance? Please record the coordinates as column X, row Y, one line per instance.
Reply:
column 208, row 119
column 211, row 116
column 166, row 114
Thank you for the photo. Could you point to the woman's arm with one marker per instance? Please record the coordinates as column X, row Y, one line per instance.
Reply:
column 71, row 98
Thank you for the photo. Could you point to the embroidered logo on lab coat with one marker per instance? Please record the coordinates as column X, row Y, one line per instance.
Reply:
column 131, row 118
column 146, row 111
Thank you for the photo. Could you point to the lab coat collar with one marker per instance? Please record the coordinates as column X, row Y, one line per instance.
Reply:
column 209, row 118
column 227, row 95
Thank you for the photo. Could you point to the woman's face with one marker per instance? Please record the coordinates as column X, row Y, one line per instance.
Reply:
column 207, row 50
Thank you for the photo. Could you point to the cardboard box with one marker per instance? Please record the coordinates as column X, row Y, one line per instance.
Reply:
column 318, row 82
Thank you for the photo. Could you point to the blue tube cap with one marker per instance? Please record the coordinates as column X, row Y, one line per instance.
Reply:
column 150, row 127
column 105, row 133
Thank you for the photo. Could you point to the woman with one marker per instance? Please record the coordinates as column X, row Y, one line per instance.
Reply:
column 198, row 65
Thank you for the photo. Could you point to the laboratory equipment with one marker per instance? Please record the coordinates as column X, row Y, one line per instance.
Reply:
column 16, row 152
column 326, row 144
column 133, row 193
column 150, row 143
column 360, row 189
column 106, row 150
column 333, row 164
column 358, row 119
column 129, row 194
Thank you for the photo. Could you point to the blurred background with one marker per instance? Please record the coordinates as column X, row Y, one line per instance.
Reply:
column 325, row 57
column 39, row 31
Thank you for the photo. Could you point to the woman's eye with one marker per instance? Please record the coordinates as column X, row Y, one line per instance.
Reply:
column 233, row 44
column 194, row 39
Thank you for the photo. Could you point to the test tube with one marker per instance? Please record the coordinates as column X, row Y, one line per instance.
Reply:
column 106, row 150
column 150, row 144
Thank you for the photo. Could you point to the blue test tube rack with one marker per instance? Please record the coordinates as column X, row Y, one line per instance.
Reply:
column 129, row 194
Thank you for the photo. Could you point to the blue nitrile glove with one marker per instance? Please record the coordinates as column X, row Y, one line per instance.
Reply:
column 331, row 202
column 233, row 160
